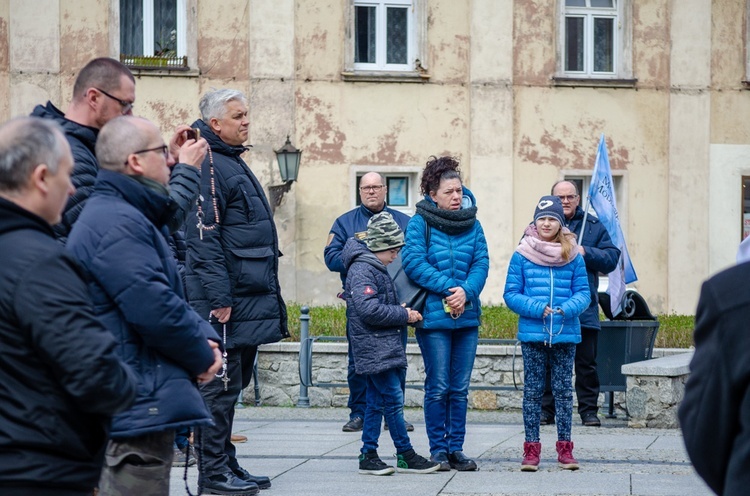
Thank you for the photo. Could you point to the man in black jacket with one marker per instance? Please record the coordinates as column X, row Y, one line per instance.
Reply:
column 60, row 378
column 715, row 412
column 105, row 89
column 232, row 278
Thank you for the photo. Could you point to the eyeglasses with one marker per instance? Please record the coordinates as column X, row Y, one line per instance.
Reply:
column 126, row 106
column 569, row 198
column 164, row 150
column 374, row 187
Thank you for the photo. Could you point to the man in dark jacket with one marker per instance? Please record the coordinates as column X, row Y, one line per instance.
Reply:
column 372, row 193
column 715, row 412
column 232, row 278
column 103, row 90
column 600, row 255
column 120, row 240
column 60, row 378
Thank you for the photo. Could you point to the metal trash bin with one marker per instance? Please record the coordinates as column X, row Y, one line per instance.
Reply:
column 627, row 338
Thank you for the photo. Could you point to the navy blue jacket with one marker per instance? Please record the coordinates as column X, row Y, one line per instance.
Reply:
column 235, row 261
column 61, row 379
column 601, row 256
column 119, row 239
column 376, row 320
column 346, row 226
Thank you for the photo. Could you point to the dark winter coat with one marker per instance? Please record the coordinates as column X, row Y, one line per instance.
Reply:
column 349, row 225
column 376, row 320
column 234, row 262
column 60, row 377
column 715, row 412
column 183, row 183
column 601, row 256
column 119, row 239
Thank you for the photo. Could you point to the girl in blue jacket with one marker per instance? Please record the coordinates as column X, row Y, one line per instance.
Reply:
column 446, row 253
column 548, row 288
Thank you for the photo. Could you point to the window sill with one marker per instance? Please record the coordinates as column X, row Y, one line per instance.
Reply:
column 385, row 77
column 593, row 82
column 161, row 72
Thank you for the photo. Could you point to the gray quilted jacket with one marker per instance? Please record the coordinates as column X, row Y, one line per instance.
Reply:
column 376, row 320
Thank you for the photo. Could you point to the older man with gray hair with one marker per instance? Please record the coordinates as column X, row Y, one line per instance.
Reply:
column 232, row 279
column 60, row 377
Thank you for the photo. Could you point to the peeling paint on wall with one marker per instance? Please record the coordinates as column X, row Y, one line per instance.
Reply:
column 325, row 141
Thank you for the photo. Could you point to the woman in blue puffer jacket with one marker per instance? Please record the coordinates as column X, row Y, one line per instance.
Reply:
column 548, row 288
column 446, row 253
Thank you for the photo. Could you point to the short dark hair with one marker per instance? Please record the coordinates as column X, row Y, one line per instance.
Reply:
column 26, row 142
column 439, row 169
column 103, row 73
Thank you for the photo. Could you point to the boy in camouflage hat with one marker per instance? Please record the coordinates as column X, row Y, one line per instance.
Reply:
column 376, row 322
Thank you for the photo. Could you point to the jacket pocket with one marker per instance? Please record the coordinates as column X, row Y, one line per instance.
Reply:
column 252, row 268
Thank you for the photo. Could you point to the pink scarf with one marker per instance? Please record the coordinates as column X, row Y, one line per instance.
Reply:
column 541, row 252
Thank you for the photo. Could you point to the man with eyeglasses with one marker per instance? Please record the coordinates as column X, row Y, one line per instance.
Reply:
column 600, row 255
column 372, row 193
column 105, row 89
column 120, row 241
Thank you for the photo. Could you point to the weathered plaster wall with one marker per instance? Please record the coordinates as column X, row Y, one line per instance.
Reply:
column 4, row 60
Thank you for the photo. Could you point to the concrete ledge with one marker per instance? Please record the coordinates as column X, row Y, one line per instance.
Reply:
column 668, row 366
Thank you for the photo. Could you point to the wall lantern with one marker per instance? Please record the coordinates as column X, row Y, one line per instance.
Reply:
column 288, row 158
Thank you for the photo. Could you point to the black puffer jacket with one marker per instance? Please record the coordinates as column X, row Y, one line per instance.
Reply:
column 60, row 378
column 234, row 262
column 376, row 320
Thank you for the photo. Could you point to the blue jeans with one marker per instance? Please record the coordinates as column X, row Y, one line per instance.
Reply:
column 537, row 357
column 385, row 398
column 448, row 361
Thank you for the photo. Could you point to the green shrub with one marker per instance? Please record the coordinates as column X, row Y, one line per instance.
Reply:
column 498, row 322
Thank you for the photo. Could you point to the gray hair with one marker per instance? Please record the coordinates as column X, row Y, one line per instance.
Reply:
column 25, row 143
column 213, row 104
column 118, row 139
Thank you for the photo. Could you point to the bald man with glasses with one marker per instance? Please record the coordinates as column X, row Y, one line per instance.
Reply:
column 372, row 194
column 105, row 89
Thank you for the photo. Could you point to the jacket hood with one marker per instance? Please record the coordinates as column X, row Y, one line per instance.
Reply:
column 216, row 144
column 157, row 208
column 356, row 251
column 13, row 218
column 85, row 134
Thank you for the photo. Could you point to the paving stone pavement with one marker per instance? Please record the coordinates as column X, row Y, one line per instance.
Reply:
column 305, row 453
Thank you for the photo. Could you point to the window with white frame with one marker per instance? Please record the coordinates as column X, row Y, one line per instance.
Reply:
column 595, row 39
column 153, row 33
column 386, row 36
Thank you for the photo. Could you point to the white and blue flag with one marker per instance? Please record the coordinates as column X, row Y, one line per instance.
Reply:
column 602, row 199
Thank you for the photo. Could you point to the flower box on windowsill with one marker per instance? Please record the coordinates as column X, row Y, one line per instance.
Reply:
column 156, row 62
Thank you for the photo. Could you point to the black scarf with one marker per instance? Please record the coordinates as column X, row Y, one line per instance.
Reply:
column 448, row 221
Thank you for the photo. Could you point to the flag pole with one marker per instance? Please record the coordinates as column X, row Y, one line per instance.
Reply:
column 588, row 193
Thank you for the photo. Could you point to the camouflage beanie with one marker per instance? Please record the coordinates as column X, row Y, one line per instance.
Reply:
column 383, row 233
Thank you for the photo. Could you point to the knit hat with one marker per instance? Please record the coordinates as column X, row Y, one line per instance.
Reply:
column 383, row 233
column 550, row 206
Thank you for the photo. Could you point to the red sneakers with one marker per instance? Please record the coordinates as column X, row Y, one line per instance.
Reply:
column 531, row 453
column 565, row 455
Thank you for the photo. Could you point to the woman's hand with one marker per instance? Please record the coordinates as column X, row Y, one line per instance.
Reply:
column 547, row 311
column 457, row 299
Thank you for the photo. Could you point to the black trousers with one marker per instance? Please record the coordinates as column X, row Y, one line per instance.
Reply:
column 587, row 378
column 217, row 452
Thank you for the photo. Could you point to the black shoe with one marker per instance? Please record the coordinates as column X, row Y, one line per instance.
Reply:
column 230, row 485
column 371, row 464
column 441, row 457
column 411, row 463
column 460, row 462
column 409, row 426
column 354, row 425
column 262, row 481
column 590, row 420
column 547, row 419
